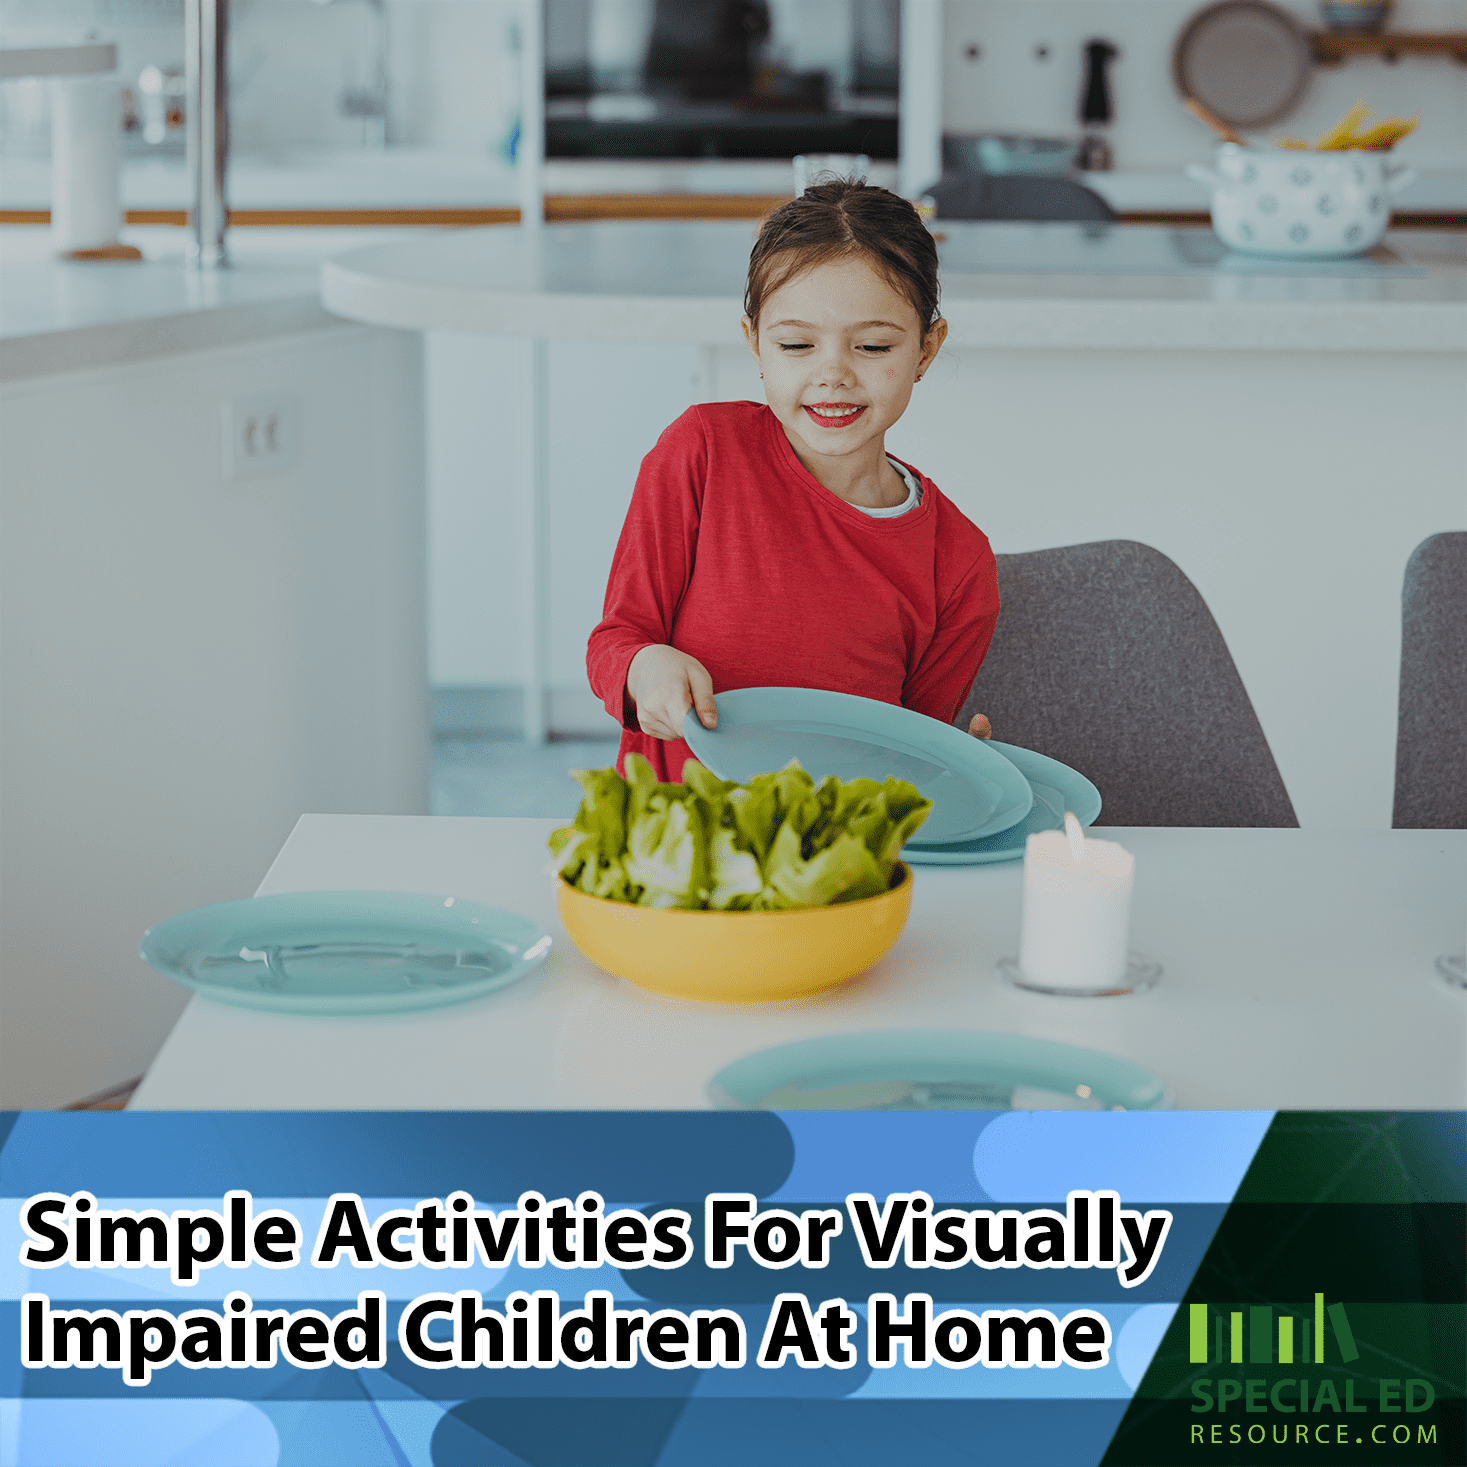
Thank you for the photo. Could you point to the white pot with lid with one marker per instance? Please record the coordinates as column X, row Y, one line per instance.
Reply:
column 1301, row 204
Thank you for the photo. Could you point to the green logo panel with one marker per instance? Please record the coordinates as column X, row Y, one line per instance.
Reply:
column 1327, row 1320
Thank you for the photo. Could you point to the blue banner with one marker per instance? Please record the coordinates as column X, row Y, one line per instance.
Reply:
column 426, row 1289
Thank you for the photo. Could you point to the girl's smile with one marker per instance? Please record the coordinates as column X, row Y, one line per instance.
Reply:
column 840, row 349
column 834, row 414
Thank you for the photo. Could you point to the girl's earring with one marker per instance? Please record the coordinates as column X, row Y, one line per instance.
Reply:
column 761, row 376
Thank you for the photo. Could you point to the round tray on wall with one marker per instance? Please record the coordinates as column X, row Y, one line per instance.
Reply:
column 1247, row 60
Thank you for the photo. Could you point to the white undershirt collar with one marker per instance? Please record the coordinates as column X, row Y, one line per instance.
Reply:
column 913, row 499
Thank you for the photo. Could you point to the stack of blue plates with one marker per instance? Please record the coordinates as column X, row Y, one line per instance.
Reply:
column 987, row 797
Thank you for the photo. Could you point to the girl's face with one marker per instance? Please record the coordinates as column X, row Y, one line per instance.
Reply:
column 840, row 350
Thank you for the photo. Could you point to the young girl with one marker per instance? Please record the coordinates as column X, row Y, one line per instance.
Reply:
column 780, row 545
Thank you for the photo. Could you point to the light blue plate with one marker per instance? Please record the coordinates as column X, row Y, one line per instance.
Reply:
column 1056, row 787
column 934, row 1069
column 345, row 952
column 974, row 790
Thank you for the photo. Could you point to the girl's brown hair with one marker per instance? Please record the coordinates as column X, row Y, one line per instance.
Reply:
column 834, row 221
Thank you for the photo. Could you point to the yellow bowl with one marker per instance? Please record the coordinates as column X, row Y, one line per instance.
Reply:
column 737, row 957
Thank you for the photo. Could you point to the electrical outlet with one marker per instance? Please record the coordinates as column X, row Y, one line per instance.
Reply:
column 261, row 435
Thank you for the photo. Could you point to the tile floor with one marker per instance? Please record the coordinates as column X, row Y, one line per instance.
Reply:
column 484, row 776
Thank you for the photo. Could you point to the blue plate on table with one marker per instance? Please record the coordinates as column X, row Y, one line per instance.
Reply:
column 934, row 1069
column 1056, row 787
column 975, row 791
column 345, row 952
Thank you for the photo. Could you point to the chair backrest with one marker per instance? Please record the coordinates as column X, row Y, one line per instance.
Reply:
column 1017, row 196
column 1431, row 726
column 1107, row 658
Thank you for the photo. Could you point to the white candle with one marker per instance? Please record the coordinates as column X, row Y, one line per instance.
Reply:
column 1077, row 910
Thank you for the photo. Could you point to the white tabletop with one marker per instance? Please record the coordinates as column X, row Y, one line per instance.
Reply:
column 1299, row 974
column 1128, row 287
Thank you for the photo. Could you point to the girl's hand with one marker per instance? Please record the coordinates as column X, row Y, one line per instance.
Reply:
column 980, row 727
column 664, row 683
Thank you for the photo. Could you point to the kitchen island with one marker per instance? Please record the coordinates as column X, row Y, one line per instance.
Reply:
column 1287, row 433
column 197, row 641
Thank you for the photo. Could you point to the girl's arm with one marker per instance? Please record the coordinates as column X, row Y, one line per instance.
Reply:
column 940, row 682
column 649, row 574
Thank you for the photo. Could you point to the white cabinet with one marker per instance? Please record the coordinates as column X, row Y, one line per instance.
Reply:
column 189, row 663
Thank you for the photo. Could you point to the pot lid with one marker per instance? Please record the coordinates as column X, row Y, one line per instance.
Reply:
column 1247, row 60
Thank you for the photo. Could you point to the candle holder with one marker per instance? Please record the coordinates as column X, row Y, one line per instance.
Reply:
column 1141, row 973
column 1453, row 967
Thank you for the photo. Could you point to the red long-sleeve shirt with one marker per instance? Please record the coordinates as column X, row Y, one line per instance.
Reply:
column 734, row 553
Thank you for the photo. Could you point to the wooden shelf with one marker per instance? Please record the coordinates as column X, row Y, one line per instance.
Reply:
column 559, row 209
column 1334, row 48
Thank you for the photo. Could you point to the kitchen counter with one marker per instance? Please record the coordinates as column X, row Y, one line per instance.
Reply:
column 57, row 315
column 63, row 315
column 1118, row 288
column 420, row 178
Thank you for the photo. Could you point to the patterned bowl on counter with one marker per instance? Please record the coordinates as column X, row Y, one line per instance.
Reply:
column 1300, row 204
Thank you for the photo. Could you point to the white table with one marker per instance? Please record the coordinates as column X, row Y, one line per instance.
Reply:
column 1299, row 974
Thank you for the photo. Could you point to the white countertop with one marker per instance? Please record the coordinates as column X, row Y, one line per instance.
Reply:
column 423, row 178
column 1299, row 975
column 1119, row 287
column 65, row 315
column 678, row 282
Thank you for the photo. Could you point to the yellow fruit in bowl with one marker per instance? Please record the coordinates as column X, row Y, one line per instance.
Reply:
column 737, row 957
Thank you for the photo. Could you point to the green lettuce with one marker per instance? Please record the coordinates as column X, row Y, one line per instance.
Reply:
column 737, row 879
column 667, row 853
column 776, row 842
column 845, row 871
column 589, row 852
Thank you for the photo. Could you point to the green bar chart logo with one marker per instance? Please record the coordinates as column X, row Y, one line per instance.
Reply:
column 1274, row 1336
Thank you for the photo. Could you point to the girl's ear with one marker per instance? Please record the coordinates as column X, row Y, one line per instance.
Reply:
column 750, row 336
column 931, row 345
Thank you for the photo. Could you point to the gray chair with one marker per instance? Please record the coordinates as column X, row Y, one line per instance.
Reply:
column 1431, row 727
column 1018, row 196
column 1107, row 658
